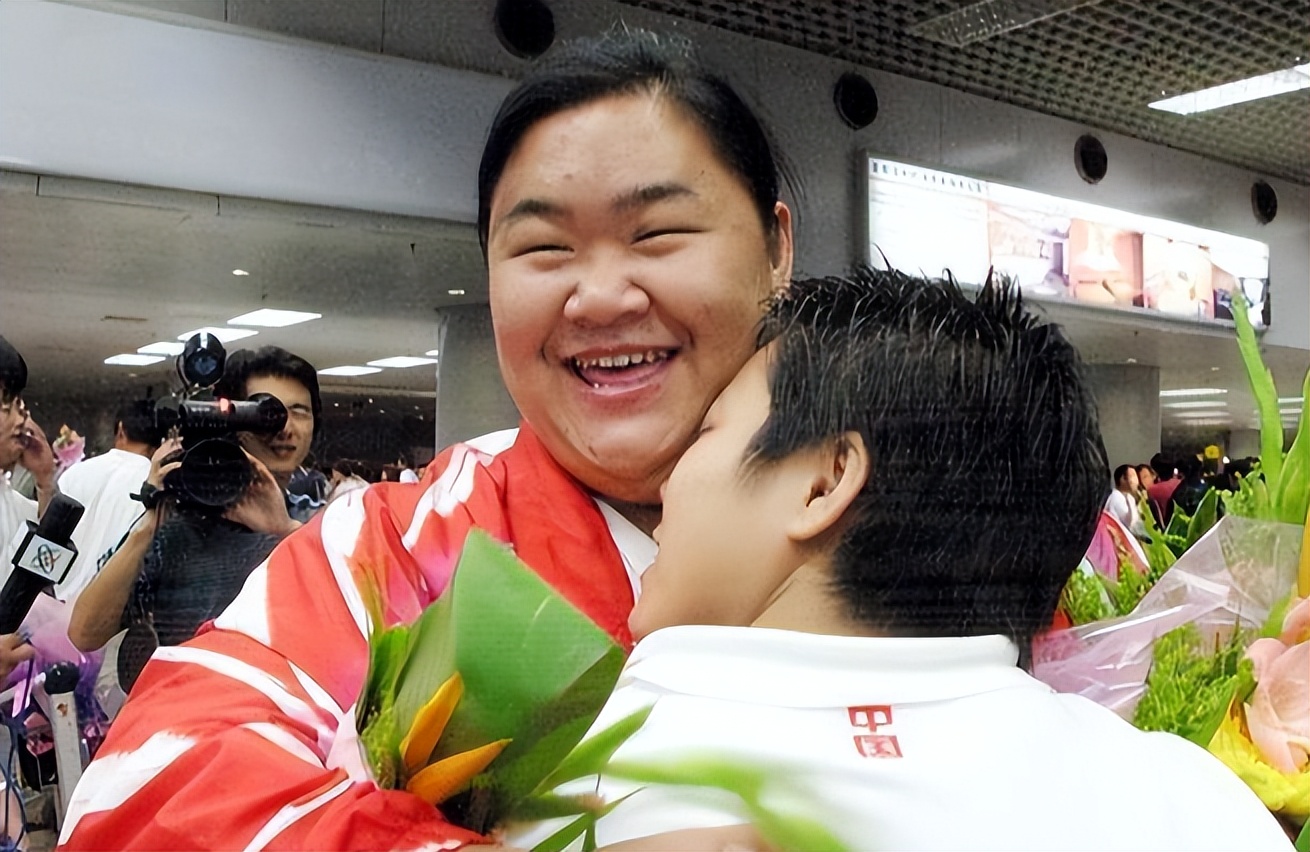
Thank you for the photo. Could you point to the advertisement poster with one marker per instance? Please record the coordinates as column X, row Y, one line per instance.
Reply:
column 925, row 220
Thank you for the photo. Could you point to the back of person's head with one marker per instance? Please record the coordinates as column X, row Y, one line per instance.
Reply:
column 1163, row 466
column 245, row 364
column 13, row 371
column 631, row 62
column 137, row 420
column 1121, row 475
column 1190, row 466
column 965, row 406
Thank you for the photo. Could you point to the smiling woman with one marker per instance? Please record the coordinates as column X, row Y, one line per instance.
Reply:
column 630, row 217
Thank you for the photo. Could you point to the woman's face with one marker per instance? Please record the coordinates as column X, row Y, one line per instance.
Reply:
column 628, row 268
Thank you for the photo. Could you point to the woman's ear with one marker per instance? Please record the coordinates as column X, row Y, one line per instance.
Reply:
column 783, row 254
column 841, row 470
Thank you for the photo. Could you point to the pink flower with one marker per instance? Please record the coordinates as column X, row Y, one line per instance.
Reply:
column 1278, row 716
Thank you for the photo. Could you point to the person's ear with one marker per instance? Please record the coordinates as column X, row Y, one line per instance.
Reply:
column 840, row 472
column 784, row 246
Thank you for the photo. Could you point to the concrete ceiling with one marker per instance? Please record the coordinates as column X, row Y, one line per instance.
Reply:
column 91, row 270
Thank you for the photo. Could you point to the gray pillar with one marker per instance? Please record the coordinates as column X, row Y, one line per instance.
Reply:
column 1243, row 443
column 471, row 398
column 1128, row 401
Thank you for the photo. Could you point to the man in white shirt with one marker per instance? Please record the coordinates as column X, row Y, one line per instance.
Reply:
column 1124, row 501
column 855, row 555
column 104, row 485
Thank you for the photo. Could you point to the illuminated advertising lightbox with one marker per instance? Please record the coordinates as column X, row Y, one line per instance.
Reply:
column 924, row 220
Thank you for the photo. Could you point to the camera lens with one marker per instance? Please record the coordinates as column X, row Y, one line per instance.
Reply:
column 214, row 473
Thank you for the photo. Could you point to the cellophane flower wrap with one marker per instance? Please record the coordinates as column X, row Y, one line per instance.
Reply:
column 1217, row 649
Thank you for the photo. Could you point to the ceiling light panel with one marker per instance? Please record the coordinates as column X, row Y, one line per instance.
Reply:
column 224, row 335
column 349, row 370
column 401, row 361
column 1238, row 92
column 133, row 360
column 1201, row 403
column 979, row 21
column 270, row 318
column 167, row 348
column 1193, row 392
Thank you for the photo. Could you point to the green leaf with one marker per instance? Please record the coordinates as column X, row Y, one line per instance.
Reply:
column 560, row 840
column 1292, row 498
column 590, row 757
column 1265, row 393
column 785, row 832
column 536, row 670
column 1205, row 517
column 544, row 806
column 585, row 824
column 1303, row 839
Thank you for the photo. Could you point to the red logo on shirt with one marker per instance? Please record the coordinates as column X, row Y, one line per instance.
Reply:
column 871, row 718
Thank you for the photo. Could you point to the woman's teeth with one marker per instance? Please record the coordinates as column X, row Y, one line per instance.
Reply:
column 618, row 362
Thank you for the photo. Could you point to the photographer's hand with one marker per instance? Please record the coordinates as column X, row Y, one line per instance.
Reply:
column 263, row 508
column 158, row 468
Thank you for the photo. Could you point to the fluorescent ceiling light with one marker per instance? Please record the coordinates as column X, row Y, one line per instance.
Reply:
column 1239, row 91
column 133, row 360
column 163, row 347
column 988, row 18
column 1201, row 403
column 1194, row 392
column 270, row 318
column 431, row 353
column 239, row 272
column 455, row 292
column 402, row 361
column 224, row 335
column 349, row 371
column 1284, row 400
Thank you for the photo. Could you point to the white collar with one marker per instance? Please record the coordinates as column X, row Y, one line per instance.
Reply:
column 790, row 669
column 637, row 549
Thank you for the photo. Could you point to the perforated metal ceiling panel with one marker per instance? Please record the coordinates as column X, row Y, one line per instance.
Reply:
column 1099, row 62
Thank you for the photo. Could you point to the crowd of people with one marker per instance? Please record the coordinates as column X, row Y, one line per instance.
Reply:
column 1169, row 483
column 818, row 513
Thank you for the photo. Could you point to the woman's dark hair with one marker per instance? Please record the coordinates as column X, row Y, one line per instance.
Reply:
column 625, row 62
column 1121, row 473
column 246, row 364
column 965, row 406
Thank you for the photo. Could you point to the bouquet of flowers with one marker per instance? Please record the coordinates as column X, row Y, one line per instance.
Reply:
column 481, row 706
column 1208, row 636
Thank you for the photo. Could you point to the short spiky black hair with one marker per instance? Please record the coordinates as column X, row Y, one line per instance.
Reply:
column 987, row 467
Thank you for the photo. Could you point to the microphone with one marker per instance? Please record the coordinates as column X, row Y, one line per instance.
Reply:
column 41, row 559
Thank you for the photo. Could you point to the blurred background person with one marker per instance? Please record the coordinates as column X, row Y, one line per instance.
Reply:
column 1191, row 488
column 1159, row 493
column 1123, row 502
column 104, row 485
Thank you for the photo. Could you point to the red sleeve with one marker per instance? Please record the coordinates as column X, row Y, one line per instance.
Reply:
column 244, row 737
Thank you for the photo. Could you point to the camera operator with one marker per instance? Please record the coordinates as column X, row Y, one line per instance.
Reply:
column 20, row 440
column 181, row 566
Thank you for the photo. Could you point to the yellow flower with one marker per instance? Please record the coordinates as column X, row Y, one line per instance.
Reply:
column 1283, row 793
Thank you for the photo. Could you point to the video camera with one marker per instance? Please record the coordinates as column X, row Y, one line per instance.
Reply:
column 215, row 471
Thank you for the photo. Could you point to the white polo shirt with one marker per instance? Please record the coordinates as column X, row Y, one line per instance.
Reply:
column 103, row 485
column 912, row 744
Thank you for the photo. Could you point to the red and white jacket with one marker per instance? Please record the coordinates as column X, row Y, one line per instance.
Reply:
column 244, row 737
